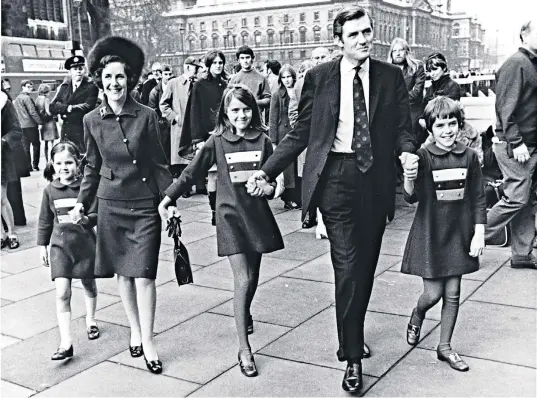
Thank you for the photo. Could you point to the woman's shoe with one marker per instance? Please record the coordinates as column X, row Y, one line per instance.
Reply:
column 154, row 366
column 310, row 221
column 412, row 331
column 5, row 242
column 136, row 351
column 13, row 242
column 454, row 360
column 62, row 353
column 93, row 332
column 250, row 327
column 248, row 369
column 290, row 205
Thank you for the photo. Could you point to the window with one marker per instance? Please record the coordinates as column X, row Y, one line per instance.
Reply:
column 226, row 41
column 203, row 42
column 29, row 51
column 270, row 55
column 269, row 19
column 256, row 21
column 244, row 22
column 43, row 52
column 330, row 29
column 316, row 16
column 215, row 41
column 202, row 26
column 302, row 36
column 56, row 53
column 456, row 29
column 302, row 17
column 302, row 54
column 285, row 18
column 14, row 50
column 270, row 36
column 244, row 38
column 290, row 55
column 66, row 53
column 215, row 25
column 316, row 34
column 257, row 39
column 191, row 26
column 330, row 14
column 286, row 37
column 282, row 55
column 191, row 45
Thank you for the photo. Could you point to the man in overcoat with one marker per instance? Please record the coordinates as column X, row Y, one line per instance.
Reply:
column 353, row 117
column 76, row 96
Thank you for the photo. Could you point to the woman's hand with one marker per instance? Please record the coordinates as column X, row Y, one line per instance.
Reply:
column 477, row 246
column 45, row 262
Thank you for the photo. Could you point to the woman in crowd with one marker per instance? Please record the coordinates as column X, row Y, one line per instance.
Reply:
column 126, row 170
column 279, row 126
column 49, row 130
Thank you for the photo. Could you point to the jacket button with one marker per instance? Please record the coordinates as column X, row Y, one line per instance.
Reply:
column 134, row 161
column 125, row 140
column 117, row 118
column 231, row 167
column 254, row 164
column 144, row 179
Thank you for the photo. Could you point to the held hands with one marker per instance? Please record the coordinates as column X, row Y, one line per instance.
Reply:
column 77, row 214
column 257, row 183
column 409, row 161
column 521, row 153
column 477, row 246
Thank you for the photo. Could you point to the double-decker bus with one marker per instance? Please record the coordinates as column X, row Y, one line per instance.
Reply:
column 41, row 61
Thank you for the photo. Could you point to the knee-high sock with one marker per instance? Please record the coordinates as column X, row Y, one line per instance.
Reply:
column 91, row 305
column 64, row 324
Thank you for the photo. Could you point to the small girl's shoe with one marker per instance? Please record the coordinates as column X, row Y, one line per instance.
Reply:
column 247, row 368
column 93, row 332
column 62, row 353
column 13, row 242
column 412, row 331
column 454, row 360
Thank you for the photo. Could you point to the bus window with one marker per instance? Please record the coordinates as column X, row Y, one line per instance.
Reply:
column 66, row 54
column 36, row 83
column 14, row 50
column 29, row 51
column 56, row 53
column 43, row 52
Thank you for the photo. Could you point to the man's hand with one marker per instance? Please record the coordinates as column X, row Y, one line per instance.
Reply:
column 521, row 153
column 409, row 161
column 251, row 185
column 69, row 108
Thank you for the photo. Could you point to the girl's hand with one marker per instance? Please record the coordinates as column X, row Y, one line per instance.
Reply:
column 45, row 262
column 265, row 187
column 76, row 213
column 477, row 246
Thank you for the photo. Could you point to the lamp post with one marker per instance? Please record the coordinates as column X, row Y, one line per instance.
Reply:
column 78, row 5
column 182, row 33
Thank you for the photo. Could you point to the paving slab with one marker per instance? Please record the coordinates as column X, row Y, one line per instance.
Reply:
column 4, row 274
column 27, row 239
column 36, row 314
column 188, row 216
column 200, row 208
column 219, row 275
column 288, row 226
column 286, row 301
column 510, row 287
column 394, row 242
column 397, row 293
column 28, row 363
column 202, row 252
column 203, row 347
column 291, row 215
column 403, row 222
column 437, row 379
column 491, row 331
column 26, row 284
column 175, row 304
column 315, row 341
column 11, row 390
column 133, row 383
column 278, row 378
column 299, row 246
column 5, row 302
column 195, row 231
column 6, row 341
column 20, row 261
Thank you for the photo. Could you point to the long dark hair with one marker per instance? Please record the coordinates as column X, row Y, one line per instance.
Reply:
column 209, row 58
column 244, row 95
column 68, row 146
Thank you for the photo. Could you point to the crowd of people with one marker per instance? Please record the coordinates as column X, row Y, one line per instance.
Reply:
column 332, row 138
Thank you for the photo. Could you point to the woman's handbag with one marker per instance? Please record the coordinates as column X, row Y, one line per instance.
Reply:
column 183, row 271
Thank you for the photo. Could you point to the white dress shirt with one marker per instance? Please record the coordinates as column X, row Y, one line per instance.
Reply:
column 345, row 126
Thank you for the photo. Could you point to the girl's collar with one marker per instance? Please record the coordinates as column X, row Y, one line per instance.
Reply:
column 249, row 135
column 57, row 184
column 457, row 149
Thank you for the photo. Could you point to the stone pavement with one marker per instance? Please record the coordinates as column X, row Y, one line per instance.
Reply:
column 295, row 333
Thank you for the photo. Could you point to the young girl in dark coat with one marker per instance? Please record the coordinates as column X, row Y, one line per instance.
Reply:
column 67, row 248
column 447, row 234
column 245, row 226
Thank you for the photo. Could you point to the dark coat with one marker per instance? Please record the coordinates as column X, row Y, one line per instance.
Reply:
column 164, row 126
column 318, row 114
column 82, row 101
column 450, row 191
column 146, row 90
column 414, row 84
column 125, row 158
column 444, row 86
column 11, row 140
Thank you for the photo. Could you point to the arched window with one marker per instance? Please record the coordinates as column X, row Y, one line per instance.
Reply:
column 317, row 34
column 456, row 29
column 244, row 36
column 302, row 34
column 270, row 37
column 330, row 29
column 191, row 43
column 215, row 40
column 257, row 37
column 203, row 42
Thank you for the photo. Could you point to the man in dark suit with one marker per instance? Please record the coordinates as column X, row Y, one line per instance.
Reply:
column 353, row 116
column 76, row 96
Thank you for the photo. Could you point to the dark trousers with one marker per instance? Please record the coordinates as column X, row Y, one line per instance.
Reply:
column 30, row 136
column 355, row 224
column 75, row 135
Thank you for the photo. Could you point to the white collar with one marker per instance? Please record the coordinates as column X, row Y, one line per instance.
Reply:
column 348, row 67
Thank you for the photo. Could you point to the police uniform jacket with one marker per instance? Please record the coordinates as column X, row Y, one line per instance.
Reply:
column 126, row 161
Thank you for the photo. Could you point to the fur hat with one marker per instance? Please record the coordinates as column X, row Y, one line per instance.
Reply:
column 124, row 48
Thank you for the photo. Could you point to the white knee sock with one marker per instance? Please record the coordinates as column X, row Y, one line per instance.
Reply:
column 64, row 323
column 91, row 305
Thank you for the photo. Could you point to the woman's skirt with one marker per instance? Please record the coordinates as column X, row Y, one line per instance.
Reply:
column 128, row 238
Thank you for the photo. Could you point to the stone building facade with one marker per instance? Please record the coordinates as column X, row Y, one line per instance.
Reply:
column 468, row 38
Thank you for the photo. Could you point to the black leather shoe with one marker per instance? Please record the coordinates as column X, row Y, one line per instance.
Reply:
column 352, row 381
column 289, row 205
column 310, row 221
column 136, row 351
column 412, row 334
column 62, row 353
column 248, row 368
column 93, row 332
column 213, row 218
column 154, row 366
column 367, row 351
column 250, row 327
column 530, row 263
column 454, row 360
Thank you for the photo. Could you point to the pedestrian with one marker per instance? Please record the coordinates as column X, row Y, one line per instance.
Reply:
column 279, row 126
column 207, row 94
column 76, row 96
column 49, row 130
column 153, row 103
column 320, row 55
column 174, row 107
column 153, row 78
column 67, row 248
column 271, row 70
column 245, row 226
column 11, row 137
column 516, row 149
column 30, row 121
column 442, row 246
column 126, row 170
column 353, row 117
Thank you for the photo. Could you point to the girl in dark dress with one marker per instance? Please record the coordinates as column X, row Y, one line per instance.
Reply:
column 245, row 226
column 67, row 248
column 447, row 234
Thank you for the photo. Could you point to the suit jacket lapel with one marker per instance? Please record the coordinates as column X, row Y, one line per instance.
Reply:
column 375, row 88
column 334, row 88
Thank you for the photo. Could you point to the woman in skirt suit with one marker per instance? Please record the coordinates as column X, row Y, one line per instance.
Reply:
column 127, row 171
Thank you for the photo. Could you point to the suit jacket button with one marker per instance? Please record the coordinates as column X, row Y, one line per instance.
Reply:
column 144, row 179
column 125, row 140
column 134, row 161
column 117, row 118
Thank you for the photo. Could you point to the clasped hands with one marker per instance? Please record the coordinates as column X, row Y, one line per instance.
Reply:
column 258, row 184
column 409, row 161
column 77, row 214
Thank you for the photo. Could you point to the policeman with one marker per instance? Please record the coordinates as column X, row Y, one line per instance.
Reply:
column 75, row 97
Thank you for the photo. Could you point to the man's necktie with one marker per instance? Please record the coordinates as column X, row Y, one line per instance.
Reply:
column 361, row 140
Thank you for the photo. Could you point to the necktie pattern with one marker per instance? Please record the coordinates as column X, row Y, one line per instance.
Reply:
column 361, row 140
